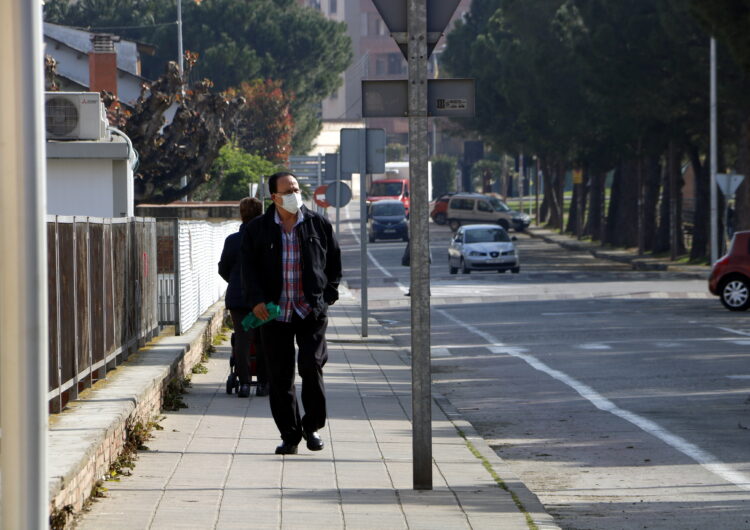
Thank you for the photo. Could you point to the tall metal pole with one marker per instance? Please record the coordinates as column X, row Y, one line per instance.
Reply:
column 714, row 160
column 363, row 225
column 23, row 269
column 419, row 247
column 180, row 52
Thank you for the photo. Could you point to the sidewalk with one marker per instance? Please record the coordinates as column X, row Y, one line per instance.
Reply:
column 212, row 465
column 630, row 256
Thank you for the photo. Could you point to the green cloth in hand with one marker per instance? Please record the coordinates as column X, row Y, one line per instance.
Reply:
column 251, row 321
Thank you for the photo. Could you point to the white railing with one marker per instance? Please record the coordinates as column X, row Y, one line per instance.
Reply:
column 199, row 251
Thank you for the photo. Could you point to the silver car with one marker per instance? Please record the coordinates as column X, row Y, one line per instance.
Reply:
column 482, row 247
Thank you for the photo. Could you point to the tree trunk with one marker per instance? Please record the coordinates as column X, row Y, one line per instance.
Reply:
column 622, row 221
column 669, row 234
column 560, row 186
column 702, row 209
column 596, row 206
column 652, row 174
column 552, row 202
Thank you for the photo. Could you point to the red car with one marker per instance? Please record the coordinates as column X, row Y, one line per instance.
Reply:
column 730, row 275
column 440, row 209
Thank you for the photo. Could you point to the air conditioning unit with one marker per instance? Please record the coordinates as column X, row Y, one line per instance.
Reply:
column 74, row 116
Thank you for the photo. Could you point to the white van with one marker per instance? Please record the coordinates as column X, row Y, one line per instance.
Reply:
column 472, row 208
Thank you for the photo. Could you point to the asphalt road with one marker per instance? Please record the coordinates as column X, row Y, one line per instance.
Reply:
column 620, row 397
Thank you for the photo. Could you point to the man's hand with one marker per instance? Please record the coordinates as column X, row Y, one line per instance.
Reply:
column 261, row 311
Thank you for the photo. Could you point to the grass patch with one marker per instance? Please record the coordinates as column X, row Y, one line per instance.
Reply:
column 173, row 400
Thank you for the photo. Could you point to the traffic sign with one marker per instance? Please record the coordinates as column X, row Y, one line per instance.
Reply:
column 333, row 199
column 729, row 182
column 445, row 97
column 393, row 13
column 319, row 196
column 351, row 161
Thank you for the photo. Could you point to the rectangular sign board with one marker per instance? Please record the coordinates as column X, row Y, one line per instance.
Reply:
column 455, row 98
column 350, row 150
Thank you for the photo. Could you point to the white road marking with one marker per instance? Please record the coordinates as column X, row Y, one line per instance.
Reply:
column 440, row 352
column 593, row 346
column 735, row 331
column 369, row 254
column 740, row 342
column 738, row 376
column 705, row 459
column 575, row 313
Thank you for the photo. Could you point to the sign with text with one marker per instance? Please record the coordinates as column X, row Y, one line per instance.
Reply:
column 455, row 98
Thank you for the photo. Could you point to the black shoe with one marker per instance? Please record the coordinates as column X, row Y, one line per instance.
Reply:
column 244, row 391
column 314, row 442
column 286, row 449
column 262, row 389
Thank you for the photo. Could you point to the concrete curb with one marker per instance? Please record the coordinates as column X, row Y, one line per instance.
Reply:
column 86, row 438
column 531, row 503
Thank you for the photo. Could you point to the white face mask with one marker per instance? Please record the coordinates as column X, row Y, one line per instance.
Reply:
column 291, row 202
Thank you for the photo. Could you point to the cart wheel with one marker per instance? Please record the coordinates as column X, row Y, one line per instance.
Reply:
column 231, row 383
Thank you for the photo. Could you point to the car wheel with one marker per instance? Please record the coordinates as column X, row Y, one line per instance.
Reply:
column 735, row 294
column 451, row 268
column 405, row 238
column 501, row 270
column 454, row 224
column 515, row 270
column 372, row 238
column 464, row 268
column 504, row 223
column 440, row 218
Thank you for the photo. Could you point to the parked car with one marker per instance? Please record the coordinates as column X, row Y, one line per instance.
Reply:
column 482, row 247
column 440, row 209
column 465, row 208
column 730, row 275
column 386, row 219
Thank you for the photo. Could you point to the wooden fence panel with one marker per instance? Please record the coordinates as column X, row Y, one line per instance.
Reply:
column 96, row 290
column 52, row 277
column 120, row 265
column 108, row 324
column 66, row 267
column 83, row 309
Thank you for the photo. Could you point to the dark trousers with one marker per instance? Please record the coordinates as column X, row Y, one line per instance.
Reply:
column 241, row 349
column 278, row 339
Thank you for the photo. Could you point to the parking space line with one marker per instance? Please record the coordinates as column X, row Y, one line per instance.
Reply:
column 705, row 459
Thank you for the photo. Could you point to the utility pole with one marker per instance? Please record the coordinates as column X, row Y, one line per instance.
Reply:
column 714, row 160
column 23, row 270
column 419, row 246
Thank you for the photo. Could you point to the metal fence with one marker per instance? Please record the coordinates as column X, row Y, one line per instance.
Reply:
column 188, row 278
column 102, row 298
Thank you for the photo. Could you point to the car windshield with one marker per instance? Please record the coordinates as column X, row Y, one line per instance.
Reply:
column 386, row 189
column 487, row 235
column 388, row 209
column 498, row 205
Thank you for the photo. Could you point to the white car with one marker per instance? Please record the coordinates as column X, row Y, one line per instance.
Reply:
column 482, row 247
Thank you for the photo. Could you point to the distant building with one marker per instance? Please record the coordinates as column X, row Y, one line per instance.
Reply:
column 72, row 47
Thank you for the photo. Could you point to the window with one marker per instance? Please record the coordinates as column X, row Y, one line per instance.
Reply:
column 332, row 7
column 462, row 204
column 484, row 206
column 487, row 235
column 380, row 62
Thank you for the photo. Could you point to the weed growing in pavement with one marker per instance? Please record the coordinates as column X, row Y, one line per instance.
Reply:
column 59, row 517
column 199, row 368
column 172, row 400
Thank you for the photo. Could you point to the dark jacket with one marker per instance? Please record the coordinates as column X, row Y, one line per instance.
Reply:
column 229, row 269
column 262, row 275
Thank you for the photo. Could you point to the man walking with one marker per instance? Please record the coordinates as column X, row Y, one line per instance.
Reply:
column 291, row 257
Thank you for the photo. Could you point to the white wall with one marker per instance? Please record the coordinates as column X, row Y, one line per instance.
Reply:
column 93, row 187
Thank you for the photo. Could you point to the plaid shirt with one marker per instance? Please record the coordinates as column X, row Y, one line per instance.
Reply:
column 292, row 296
